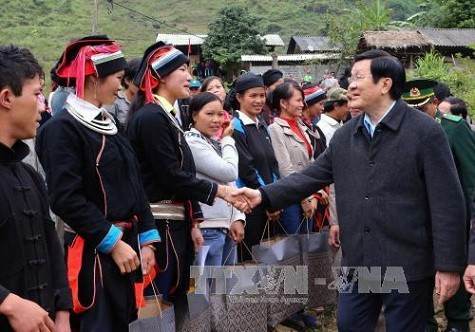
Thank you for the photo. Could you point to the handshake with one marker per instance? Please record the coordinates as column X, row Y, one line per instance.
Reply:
column 244, row 199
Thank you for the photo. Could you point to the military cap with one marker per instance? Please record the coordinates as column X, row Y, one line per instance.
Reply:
column 418, row 92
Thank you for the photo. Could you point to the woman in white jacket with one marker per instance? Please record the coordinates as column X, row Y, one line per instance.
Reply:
column 215, row 160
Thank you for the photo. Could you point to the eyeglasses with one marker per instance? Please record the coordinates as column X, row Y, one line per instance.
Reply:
column 357, row 78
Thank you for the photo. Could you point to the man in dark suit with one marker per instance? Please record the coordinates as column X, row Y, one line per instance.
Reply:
column 392, row 168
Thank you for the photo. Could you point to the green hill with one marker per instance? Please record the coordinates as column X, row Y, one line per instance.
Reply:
column 46, row 26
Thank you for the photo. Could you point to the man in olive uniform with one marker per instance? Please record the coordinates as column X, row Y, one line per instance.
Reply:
column 420, row 95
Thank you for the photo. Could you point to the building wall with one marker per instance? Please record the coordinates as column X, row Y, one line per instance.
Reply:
column 298, row 71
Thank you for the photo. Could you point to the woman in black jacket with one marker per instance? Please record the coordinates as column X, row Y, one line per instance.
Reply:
column 257, row 163
column 168, row 170
column 94, row 183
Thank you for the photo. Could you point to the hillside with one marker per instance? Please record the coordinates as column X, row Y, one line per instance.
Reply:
column 45, row 26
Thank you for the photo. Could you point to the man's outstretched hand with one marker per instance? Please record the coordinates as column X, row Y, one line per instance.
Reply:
column 245, row 199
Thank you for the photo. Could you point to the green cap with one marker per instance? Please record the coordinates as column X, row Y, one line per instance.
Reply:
column 337, row 94
column 418, row 92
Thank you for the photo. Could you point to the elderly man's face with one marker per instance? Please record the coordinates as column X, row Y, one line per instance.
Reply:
column 362, row 91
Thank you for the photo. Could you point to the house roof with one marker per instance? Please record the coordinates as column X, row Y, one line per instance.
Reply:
column 289, row 57
column 185, row 39
column 273, row 40
column 312, row 44
column 180, row 40
column 450, row 37
column 397, row 39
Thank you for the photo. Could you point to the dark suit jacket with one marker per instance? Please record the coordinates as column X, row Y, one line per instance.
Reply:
column 399, row 199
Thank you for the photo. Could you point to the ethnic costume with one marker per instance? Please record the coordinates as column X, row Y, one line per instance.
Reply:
column 168, row 172
column 94, row 183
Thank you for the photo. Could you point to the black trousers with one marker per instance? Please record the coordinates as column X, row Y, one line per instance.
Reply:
column 403, row 311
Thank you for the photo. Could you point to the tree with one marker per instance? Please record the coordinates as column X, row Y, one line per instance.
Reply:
column 447, row 13
column 346, row 22
column 233, row 33
column 373, row 16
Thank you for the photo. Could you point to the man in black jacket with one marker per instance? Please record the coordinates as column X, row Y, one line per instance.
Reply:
column 392, row 168
column 34, row 292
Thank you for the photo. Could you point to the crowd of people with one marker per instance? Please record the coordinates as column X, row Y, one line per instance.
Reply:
column 145, row 165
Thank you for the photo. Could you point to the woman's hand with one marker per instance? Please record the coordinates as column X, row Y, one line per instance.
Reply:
column 325, row 198
column 236, row 232
column 148, row 258
column 309, row 206
column 334, row 237
column 125, row 257
column 197, row 238
column 228, row 129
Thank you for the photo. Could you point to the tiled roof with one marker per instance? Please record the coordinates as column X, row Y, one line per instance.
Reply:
column 450, row 37
column 185, row 39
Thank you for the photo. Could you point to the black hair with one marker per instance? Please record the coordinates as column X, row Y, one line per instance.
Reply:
column 457, row 106
column 343, row 81
column 208, row 80
column 137, row 103
column 330, row 105
column 385, row 65
column 131, row 70
column 442, row 91
column 231, row 104
column 284, row 91
column 16, row 66
column 308, row 85
column 199, row 101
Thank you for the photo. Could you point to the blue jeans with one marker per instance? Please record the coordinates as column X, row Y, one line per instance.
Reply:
column 214, row 238
column 291, row 220
column 229, row 252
